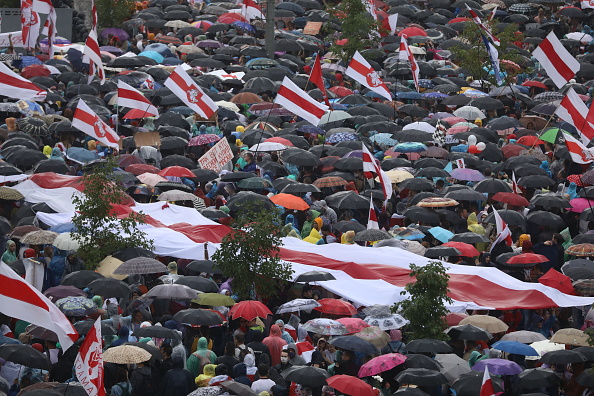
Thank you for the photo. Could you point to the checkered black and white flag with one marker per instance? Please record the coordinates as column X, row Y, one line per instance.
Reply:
column 439, row 134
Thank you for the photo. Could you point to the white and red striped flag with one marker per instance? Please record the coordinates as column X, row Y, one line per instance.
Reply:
column 573, row 110
column 370, row 6
column 251, row 10
column 30, row 23
column 393, row 23
column 20, row 300
column 487, row 385
column 587, row 4
column 579, row 153
column 50, row 26
column 559, row 64
column 129, row 97
column 503, row 232
column 88, row 364
column 372, row 169
column 182, row 85
column 316, row 77
column 90, row 123
column 515, row 188
column 484, row 28
column 406, row 54
column 298, row 102
column 92, row 52
column 372, row 223
column 361, row 71
column 15, row 86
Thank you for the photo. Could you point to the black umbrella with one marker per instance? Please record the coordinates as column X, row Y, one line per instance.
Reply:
column 465, row 194
column 172, row 119
column 536, row 181
column 344, row 226
column 562, row 357
column 469, row 237
column 349, row 164
column 408, row 391
column 417, row 184
column 428, row 345
column 314, row 276
column 199, row 283
column 546, row 219
column 470, row 384
column 25, row 158
column 300, row 157
column 424, row 215
column 237, row 176
column 177, row 160
column 81, row 279
column 25, row 355
column 586, row 379
column 84, row 326
column 588, row 352
column 354, row 343
column 579, row 268
column 441, row 251
column 51, row 165
column 207, row 266
column 204, row 175
column 550, row 200
column 422, row 377
column 198, row 317
column 468, row 332
column 372, row 235
column 299, row 188
column 155, row 353
column 431, row 172
column 492, row 186
column 109, row 287
column 347, row 200
column 511, row 217
column 421, row 361
column 20, row 141
column 249, row 200
column 537, row 378
column 430, row 163
column 156, row 332
column 130, row 253
column 306, row 375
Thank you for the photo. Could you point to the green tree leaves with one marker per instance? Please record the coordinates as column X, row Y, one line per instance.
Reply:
column 112, row 13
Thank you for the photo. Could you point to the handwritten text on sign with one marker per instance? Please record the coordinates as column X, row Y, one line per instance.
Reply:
column 216, row 158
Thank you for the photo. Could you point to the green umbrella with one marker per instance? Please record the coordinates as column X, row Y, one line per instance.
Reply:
column 552, row 135
column 254, row 183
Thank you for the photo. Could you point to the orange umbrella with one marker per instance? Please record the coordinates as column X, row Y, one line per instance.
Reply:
column 289, row 201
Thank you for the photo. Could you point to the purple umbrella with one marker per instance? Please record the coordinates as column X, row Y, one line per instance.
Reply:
column 209, row 44
column 112, row 49
column 57, row 40
column 467, row 174
column 119, row 33
column 498, row 366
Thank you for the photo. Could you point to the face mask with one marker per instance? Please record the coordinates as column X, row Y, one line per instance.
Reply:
column 284, row 359
column 291, row 355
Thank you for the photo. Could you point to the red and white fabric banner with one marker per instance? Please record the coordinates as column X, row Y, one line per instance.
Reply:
column 86, row 120
column 30, row 24
column 20, row 300
column 15, row 86
column 484, row 28
column 503, row 232
column 407, row 55
column 251, row 10
column 579, row 153
column 573, row 110
column 372, row 223
column 559, row 64
column 361, row 71
column 88, row 364
column 298, row 102
column 129, row 97
column 487, row 385
column 182, row 85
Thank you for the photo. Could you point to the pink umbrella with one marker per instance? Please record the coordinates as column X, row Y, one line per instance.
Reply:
column 453, row 120
column 203, row 139
column 380, row 364
column 353, row 325
column 410, row 156
column 578, row 205
column 458, row 129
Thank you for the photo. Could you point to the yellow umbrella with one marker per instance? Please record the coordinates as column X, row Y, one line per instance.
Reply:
column 489, row 323
column 397, row 176
column 543, row 347
column 571, row 337
column 108, row 265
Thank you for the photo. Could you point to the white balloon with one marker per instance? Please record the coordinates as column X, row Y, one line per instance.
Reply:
column 471, row 140
column 481, row 146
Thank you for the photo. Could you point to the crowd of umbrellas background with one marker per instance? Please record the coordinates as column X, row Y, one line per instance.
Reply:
column 439, row 140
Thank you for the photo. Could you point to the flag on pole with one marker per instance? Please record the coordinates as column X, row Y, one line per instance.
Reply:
column 20, row 300
column 371, row 169
column 298, row 102
column 579, row 153
column 493, row 13
column 92, row 52
column 503, row 232
column 90, row 123
column 494, row 57
column 129, row 97
column 361, row 71
column 439, row 134
column 487, row 385
column 406, row 54
column 51, row 23
column 15, row 86
column 182, row 85
column 460, row 163
column 573, row 110
column 515, row 188
column 30, row 24
column 251, row 10
column 372, row 223
column 587, row 4
column 88, row 364
column 485, row 30
column 317, row 78
column 393, row 23
column 559, row 64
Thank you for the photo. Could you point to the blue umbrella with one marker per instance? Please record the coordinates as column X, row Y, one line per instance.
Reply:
column 246, row 27
column 161, row 48
column 61, row 228
column 410, row 147
column 342, row 137
column 384, row 138
column 172, row 61
column 311, row 129
column 425, row 83
column 515, row 347
column 81, row 155
column 157, row 57
column 441, row 234
column 435, row 95
column 29, row 61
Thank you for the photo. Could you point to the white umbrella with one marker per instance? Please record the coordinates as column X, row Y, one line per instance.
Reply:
column 543, row 347
column 172, row 291
column 298, row 305
column 268, row 146
column 150, row 179
column 583, row 37
column 523, row 336
column 177, row 24
column 66, row 241
column 386, row 322
column 420, row 125
column 336, row 115
column 228, row 105
column 453, row 366
column 469, row 113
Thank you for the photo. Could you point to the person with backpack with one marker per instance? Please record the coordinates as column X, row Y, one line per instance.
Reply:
column 142, row 381
column 122, row 386
column 177, row 381
column 200, row 358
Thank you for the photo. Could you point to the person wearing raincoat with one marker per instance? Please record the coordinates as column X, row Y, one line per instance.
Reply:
column 275, row 344
column 202, row 354
column 474, row 226
column 284, row 334
column 207, row 374
column 308, row 224
column 314, row 237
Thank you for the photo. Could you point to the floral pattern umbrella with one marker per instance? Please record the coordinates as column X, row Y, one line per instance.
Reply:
column 353, row 325
column 380, row 364
column 325, row 327
column 76, row 306
column 387, row 322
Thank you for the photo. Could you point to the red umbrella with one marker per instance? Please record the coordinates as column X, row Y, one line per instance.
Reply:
column 249, row 310
column 412, row 31
column 231, row 17
column 536, row 84
column 511, row 199
column 341, row 91
column 176, row 171
column 35, row 71
column 280, row 140
column 350, row 385
column 454, row 319
column 530, row 141
column 512, row 150
column 466, row 249
column 353, row 325
column 139, row 169
column 527, row 259
column 459, row 19
column 558, row 281
column 336, row 307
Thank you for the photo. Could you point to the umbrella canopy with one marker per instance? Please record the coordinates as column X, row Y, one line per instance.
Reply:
column 468, row 332
column 198, row 317
column 81, row 279
column 306, row 375
column 571, row 337
column 428, row 345
column 489, row 323
column 140, row 265
column 350, row 385
column 334, row 306
column 109, row 287
column 76, row 306
column 126, row 354
column 452, row 366
column 515, row 347
column 421, row 376
column 498, row 366
column 353, row 343
column 25, row 355
column 325, row 327
column 172, row 291
column 249, row 310
column 314, row 276
column 380, row 364
column 214, row 299
column 523, row 336
column 298, row 305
